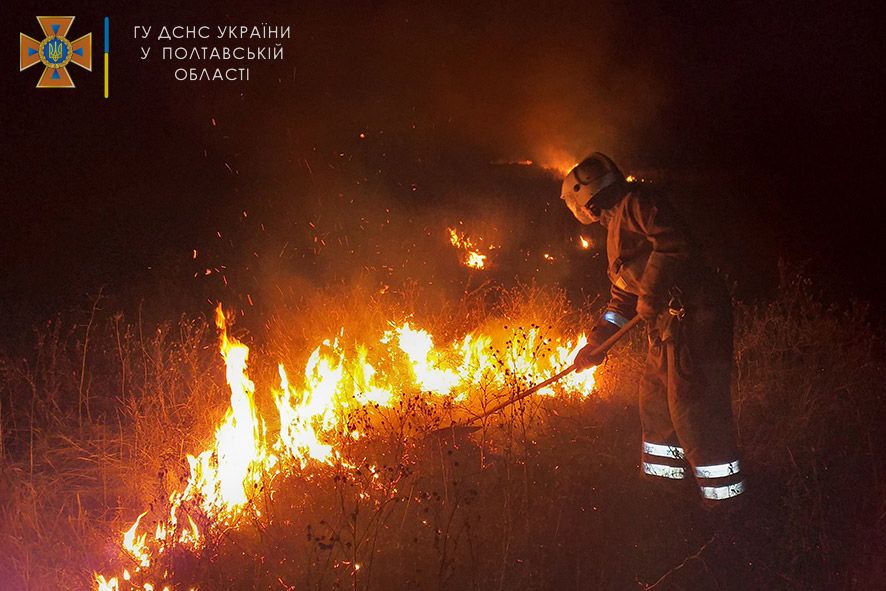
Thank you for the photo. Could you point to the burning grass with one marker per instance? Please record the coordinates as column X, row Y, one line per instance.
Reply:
column 544, row 495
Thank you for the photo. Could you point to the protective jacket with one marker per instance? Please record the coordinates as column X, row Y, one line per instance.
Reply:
column 649, row 251
column 685, row 402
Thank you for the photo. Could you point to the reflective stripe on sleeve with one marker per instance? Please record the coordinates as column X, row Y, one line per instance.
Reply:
column 718, row 470
column 663, row 451
column 615, row 318
column 675, row 472
column 718, row 493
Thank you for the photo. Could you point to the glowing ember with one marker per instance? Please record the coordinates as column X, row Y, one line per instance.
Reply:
column 472, row 256
column 313, row 419
column 585, row 243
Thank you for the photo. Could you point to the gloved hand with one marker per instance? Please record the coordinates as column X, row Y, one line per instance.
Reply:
column 649, row 308
column 585, row 358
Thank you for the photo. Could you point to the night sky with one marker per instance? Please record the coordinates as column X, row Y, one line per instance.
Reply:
column 771, row 114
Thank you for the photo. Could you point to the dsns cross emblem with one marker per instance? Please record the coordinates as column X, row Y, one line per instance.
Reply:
column 55, row 52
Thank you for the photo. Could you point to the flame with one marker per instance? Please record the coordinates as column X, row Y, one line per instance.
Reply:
column 418, row 345
column 237, row 439
column 313, row 411
column 472, row 257
column 585, row 243
column 303, row 414
column 221, row 475
column 135, row 546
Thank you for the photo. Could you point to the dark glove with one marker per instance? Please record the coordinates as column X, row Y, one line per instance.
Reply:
column 649, row 308
column 585, row 358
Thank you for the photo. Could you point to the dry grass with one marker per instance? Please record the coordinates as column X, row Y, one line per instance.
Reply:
column 809, row 398
column 73, row 470
column 544, row 496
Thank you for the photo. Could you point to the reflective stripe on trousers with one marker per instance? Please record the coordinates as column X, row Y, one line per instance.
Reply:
column 718, row 470
column 719, row 493
column 720, row 481
column 665, row 461
column 664, row 451
column 665, row 471
column 715, row 481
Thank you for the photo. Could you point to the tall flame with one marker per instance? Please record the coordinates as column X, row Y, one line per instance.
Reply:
column 237, row 439
column 312, row 416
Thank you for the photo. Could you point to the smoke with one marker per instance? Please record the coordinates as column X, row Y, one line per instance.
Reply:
column 387, row 131
column 548, row 84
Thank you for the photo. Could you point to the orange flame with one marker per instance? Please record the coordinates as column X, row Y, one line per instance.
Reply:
column 312, row 418
column 106, row 585
column 136, row 545
column 472, row 257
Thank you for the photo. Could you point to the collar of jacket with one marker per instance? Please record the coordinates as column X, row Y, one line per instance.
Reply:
column 609, row 200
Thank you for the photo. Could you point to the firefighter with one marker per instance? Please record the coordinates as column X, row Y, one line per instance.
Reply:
column 685, row 405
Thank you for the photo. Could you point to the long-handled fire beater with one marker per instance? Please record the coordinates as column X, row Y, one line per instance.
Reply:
column 604, row 347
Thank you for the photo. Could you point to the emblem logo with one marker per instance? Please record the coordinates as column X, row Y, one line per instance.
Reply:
column 55, row 52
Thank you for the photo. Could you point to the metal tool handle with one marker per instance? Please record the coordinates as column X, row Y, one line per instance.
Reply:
column 604, row 346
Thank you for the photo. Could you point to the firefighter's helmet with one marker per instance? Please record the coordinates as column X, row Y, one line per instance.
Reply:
column 585, row 181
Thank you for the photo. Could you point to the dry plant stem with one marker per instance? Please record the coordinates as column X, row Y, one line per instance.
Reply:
column 525, row 449
column 355, row 544
column 84, row 397
column 117, row 318
column 408, row 505
column 141, row 339
column 680, row 566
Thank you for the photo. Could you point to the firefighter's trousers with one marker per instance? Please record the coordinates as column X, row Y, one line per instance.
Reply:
column 685, row 403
